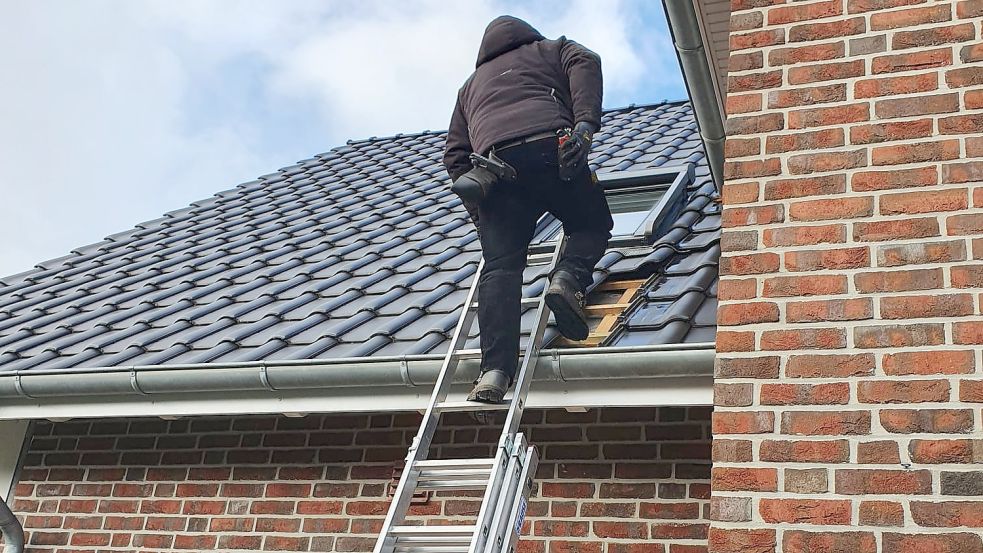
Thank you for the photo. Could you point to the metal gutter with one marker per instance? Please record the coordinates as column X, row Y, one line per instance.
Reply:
column 13, row 534
column 564, row 365
column 684, row 25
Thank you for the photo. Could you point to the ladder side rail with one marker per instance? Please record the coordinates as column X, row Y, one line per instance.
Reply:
column 511, row 484
column 489, row 500
column 420, row 448
column 517, row 511
column 531, row 355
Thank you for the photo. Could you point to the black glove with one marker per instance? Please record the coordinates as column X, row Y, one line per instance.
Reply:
column 573, row 152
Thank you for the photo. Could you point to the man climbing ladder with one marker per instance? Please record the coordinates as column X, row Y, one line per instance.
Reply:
column 532, row 106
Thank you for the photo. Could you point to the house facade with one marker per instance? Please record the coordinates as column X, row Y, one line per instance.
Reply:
column 245, row 374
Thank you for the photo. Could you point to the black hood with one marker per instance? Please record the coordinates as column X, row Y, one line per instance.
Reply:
column 505, row 33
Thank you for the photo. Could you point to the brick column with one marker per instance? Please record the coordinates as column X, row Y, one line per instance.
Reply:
column 850, row 377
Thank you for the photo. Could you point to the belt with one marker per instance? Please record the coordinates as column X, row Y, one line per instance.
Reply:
column 524, row 140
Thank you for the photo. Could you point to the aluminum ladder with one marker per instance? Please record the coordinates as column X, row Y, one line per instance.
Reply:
column 506, row 478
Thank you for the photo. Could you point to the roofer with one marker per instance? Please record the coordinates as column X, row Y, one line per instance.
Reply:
column 518, row 107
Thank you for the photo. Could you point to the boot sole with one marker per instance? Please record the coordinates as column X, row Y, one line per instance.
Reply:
column 569, row 318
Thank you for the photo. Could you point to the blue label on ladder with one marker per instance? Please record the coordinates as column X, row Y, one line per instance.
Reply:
column 521, row 518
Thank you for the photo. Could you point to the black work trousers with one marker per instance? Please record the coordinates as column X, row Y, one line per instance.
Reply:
column 508, row 218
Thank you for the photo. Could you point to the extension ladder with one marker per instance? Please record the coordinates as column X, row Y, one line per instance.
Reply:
column 505, row 478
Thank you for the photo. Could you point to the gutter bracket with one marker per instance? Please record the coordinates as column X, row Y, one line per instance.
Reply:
column 264, row 378
column 404, row 373
column 19, row 386
column 555, row 365
column 134, row 384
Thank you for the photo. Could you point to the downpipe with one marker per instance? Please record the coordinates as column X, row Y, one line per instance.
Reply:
column 13, row 533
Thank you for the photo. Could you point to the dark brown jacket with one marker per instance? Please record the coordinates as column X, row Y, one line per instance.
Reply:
column 522, row 84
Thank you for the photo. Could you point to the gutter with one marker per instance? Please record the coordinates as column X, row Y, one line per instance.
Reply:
column 563, row 365
column 13, row 534
column 684, row 25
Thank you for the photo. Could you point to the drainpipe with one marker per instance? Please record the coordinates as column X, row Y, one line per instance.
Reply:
column 684, row 25
column 13, row 534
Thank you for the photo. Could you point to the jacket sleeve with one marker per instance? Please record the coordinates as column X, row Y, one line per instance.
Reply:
column 458, row 146
column 583, row 69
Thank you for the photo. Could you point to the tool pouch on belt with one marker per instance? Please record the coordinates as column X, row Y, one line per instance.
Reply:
column 475, row 185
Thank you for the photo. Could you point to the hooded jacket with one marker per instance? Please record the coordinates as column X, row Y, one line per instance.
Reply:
column 522, row 84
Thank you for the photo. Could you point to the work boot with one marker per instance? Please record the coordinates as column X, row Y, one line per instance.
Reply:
column 565, row 299
column 490, row 387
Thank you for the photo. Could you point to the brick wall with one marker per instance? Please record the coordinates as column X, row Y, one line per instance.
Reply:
column 849, row 386
column 610, row 481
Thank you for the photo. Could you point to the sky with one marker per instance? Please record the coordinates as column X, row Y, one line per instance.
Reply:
column 114, row 112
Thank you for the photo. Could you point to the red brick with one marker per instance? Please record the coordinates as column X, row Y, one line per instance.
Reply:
column 929, row 362
column 897, row 178
column 859, row 6
column 818, row 260
column 620, row 530
column 821, row 117
column 679, row 531
column 969, row 8
column 736, row 289
column 565, row 546
column 740, row 193
column 896, row 229
column 745, row 62
column 733, row 395
column 960, row 225
column 747, row 313
column 805, row 338
column 805, row 511
column 804, row 235
column 825, row 210
column 974, row 148
column 962, row 124
column 941, row 451
column 829, row 310
column 895, row 130
column 962, row 542
column 806, row 481
column 816, row 285
column 968, row 276
column 967, row 332
column 878, row 452
column 913, row 61
column 822, row 162
column 967, row 76
column 755, row 124
column 823, row 31
column 971, row 391
column 805, row 451
column 750, row 264
column 921, row 253
column 561, row 528
column 826, row 423
column 917, row 105
column 916, row 153
column 962, row 172
column 971, row 53
column 888, row 336
column 746, row 216
column 804, row 54
column 746, row 82
column 948, row 514
column 819, row 72
column 933, row 421
column 756, row 39
column 747, row 367
column 917, row 307
column 933, row 36
column 800, row 541
column 899, row 281
column 910, row 17
column 881, row 513
column 882, row 481
column 735, row 241
column 814, row 140
column 744, row 103
column 738, row 540
column 567, row 489
column 744, row 422
column 742, row 147
column 731, row 451
column 752, row 168
column 744, row 479
column 806, row 96
column 734, row 341
column 796, row 13
column 973, row 99
column 908, row 391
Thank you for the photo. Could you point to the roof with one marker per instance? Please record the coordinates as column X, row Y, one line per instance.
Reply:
column 360, row 251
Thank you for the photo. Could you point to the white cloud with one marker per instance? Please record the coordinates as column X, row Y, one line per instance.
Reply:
column 116, row 111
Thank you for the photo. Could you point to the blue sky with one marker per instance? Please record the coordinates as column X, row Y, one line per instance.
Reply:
column 122, row 110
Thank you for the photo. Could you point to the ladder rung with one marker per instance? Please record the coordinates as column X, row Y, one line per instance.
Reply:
column 468, row 354
column 454, row 464
column 523, row 301
column 450, row 484
column 433, row 535
column 454, row 406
